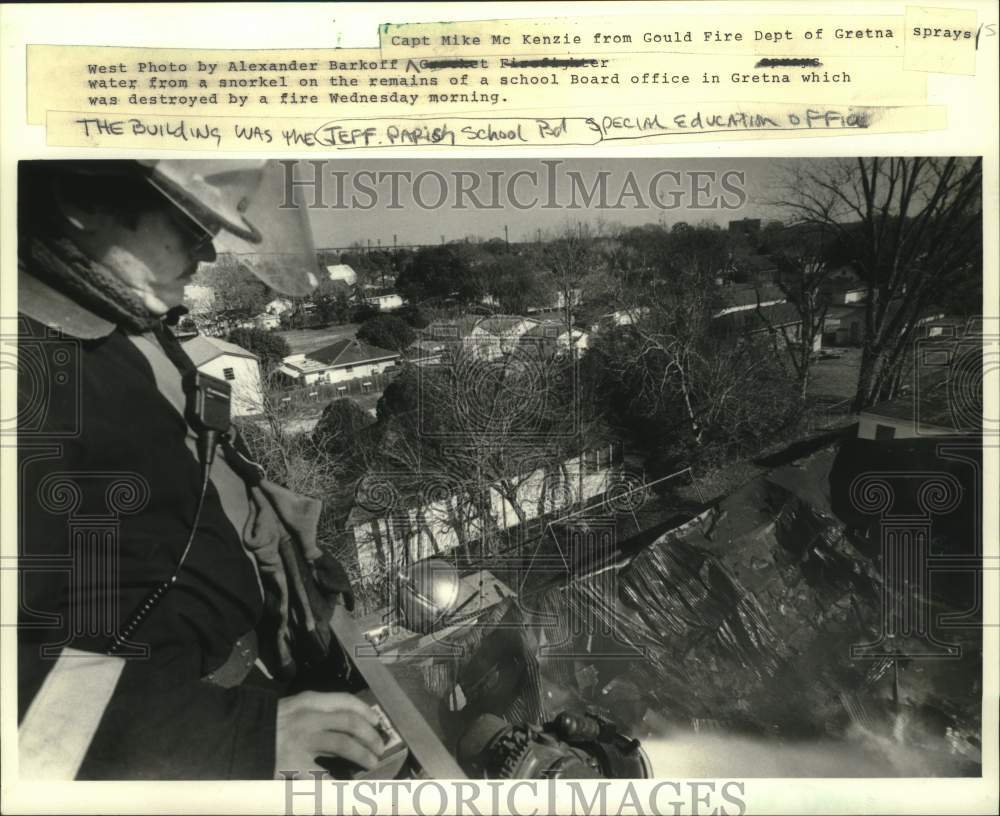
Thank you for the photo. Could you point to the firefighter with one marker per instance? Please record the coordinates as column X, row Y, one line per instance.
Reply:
column 118, row 529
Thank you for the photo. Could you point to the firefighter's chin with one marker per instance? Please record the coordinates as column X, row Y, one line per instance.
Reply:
column 163, row 299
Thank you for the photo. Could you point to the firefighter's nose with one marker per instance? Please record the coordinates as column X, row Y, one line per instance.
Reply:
column 204, row 251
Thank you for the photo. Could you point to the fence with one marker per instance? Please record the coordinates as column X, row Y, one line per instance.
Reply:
column 287, row 400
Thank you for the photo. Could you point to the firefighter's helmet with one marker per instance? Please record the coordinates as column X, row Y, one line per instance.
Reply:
column 240, row 203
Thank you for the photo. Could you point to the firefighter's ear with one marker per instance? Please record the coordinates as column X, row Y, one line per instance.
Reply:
column 75, row 213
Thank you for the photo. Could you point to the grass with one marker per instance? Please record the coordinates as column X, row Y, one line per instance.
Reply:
column 832, row 380
column 835, row 378
column 306, row 340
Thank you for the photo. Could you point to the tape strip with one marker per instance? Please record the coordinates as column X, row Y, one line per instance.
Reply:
column 61, row 722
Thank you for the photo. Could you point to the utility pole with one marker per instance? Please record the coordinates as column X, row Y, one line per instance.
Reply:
column 506, row 235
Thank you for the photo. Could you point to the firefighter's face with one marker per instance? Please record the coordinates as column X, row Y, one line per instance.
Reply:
column 154, row 252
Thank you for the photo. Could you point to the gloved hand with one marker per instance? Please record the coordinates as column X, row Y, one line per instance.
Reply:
column 331, row 578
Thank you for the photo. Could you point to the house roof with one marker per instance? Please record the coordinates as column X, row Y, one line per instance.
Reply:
column 844, row 310
column 548, row 329
column 948, row 390
column 450, row 328
column 201, row 349
column 746, row 294
column 348, row 351
column 503, row 325
column 423, row 349
column 776, row 314
column 935, row 408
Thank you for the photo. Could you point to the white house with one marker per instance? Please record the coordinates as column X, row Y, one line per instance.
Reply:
column 551, row 336
column 910, row 416
column 270, row 318
column 432, row 527
column 621, row 317
column 384, row 301
column 278, row 306
column 558, row 301
column 232, row 363
column 342, row 273
column 780, row 320
column 267, row 322
column 493, row 337
column 483, row 338
column 945, row 398
column 345, row 359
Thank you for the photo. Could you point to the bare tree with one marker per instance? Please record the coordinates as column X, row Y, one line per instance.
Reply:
column 911, row 226
column 238, row 296
column 666, row 290
column 571, row 259
column 803, row 258
column 484, row 431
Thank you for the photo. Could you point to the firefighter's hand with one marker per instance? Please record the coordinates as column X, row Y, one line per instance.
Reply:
column 314, row 724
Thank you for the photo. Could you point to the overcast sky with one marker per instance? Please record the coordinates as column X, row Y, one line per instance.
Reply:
column 340, row 224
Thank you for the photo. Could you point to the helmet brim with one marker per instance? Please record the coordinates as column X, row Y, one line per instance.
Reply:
column 284, row 257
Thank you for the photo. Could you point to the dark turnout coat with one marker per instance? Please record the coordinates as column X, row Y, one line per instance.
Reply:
column 108, row 482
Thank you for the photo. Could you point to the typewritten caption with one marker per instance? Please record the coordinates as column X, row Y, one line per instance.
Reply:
column 513, row 83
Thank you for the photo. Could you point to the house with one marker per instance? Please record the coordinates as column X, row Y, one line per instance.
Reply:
column 844, row 324
column 493, row 337
column 926, row 412
column 422, row 527
column 440, row 336
column 424, row 352
column 345, row 359
column 232, row 363
column 741, row 297
column 279, row 306
column 342, row 273
column 753, row 268
column 778, row 319
column 842, row 285
column 484, row 338
column 271, row 317
column 552, row 336
column 942, row 326
column 946, row 397
column 558, row 300
column 267, row 322
column 620, row 317
column 845, row 291
column 384, row 300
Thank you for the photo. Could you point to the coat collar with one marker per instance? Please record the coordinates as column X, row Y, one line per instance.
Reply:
column 41, row 302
